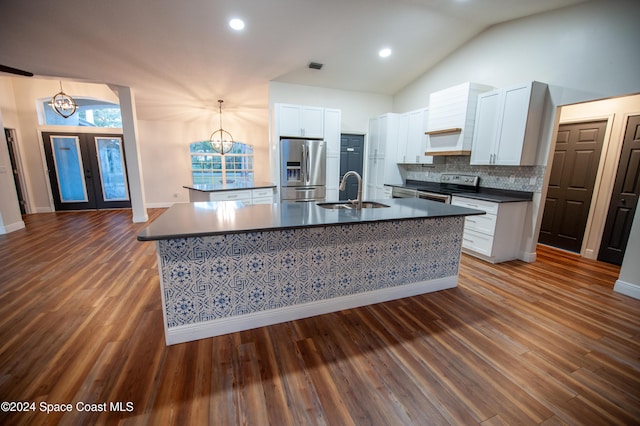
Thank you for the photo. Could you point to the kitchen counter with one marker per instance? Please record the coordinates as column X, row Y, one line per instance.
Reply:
column 186, row 220
column 494, row 195
column 231, row 185
column 226, row 266
column 498, row 195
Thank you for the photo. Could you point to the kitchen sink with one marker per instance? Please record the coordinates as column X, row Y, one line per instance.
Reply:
column 351, row 206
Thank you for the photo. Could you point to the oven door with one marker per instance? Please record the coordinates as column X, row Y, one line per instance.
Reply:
column 433, row 196
column 397, row 192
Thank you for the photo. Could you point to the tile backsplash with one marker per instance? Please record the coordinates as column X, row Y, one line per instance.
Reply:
column 516, row 178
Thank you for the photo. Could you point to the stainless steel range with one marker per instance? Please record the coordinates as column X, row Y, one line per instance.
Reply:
column 450, row 183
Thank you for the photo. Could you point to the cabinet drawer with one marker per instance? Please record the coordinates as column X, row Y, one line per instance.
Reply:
column 262, row 200
column 485, row 223
column 480, row 243
column 230, row 195
column 487, row 206
column 262, row 192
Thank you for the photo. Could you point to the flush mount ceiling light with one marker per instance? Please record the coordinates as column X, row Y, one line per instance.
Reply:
column 236, row 24
column 384, row 53
column 63, row 104
column 221, row 140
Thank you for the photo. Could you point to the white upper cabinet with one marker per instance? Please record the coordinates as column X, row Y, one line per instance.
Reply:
column 300, row 121
column 507, row 127
column 412, row 141
column 452, row 114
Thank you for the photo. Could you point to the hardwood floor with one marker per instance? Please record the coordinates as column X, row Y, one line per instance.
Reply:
column 516, row 343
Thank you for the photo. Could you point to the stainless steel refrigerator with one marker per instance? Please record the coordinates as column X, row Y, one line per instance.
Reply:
column 303, row 164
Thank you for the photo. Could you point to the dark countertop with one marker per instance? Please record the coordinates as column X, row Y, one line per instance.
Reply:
column 498, row 195
column 230, row 185
column 487, row 194
column 185, row 220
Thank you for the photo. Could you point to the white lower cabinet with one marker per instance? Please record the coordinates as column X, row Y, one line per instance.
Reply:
column 248, row 196
column 240, row 195
column 262, row 196
column 495, row 236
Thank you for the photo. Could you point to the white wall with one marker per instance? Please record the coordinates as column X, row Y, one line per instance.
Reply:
column 164, row 145
column 629, row 281
column 10, row 216
column 584, row 52
column 356, row 107
column 19, row 96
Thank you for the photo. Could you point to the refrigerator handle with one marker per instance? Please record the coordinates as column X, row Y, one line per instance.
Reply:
column 306, row 163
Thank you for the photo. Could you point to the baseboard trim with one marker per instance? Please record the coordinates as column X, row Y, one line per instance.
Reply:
column 158, row 205
column 529, row 257
column 221, row 326
column 12, row 227
column 628, row 289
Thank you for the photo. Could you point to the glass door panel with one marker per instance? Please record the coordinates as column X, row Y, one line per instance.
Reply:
column 112, row 169
column 69, row 169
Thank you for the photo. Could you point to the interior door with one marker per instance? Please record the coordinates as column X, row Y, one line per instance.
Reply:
column 624, row 199
column 351, row 158
column 13, row 158
column 573, row 176
column 86, row 171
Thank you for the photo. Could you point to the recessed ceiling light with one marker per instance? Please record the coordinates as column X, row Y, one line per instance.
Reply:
column 384, row 52
column 236, row 24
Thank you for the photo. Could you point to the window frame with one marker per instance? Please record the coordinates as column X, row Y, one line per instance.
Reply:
column 218, row 164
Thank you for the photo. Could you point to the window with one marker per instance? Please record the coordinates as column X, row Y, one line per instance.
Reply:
column 209, row 167
column 91, row 113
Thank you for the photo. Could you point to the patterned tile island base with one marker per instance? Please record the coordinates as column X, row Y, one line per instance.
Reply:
column 215, row 285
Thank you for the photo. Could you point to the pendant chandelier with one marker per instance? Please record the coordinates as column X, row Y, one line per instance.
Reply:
column 63, row 104
column 221, row 140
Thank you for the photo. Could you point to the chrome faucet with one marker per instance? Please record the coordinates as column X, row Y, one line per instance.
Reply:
column 343, row 185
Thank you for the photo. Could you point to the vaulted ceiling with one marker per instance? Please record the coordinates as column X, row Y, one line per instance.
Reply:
column 182, row 55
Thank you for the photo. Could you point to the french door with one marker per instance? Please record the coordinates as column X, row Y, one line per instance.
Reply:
column 87, row 171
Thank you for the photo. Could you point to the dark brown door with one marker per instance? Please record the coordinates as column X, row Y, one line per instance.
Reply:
column 624, row 199
column 351, row 158
column 573, row 175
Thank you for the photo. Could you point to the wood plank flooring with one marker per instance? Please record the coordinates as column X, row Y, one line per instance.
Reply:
column 80, row 321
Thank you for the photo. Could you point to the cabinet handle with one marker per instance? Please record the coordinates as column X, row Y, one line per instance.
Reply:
column 471, row 221
column 468, row 240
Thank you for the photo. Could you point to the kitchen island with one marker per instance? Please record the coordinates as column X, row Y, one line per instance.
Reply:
column 227, row 266
column 246, row 190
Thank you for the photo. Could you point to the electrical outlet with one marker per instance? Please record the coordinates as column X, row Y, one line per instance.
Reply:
column 512, row 179
column 533, row 180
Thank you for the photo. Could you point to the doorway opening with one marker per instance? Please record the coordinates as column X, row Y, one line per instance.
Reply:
column 351, row 158
column 16, row 169
column 87, row 171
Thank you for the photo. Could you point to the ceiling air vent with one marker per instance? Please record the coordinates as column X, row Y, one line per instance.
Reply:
column 315, row 65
